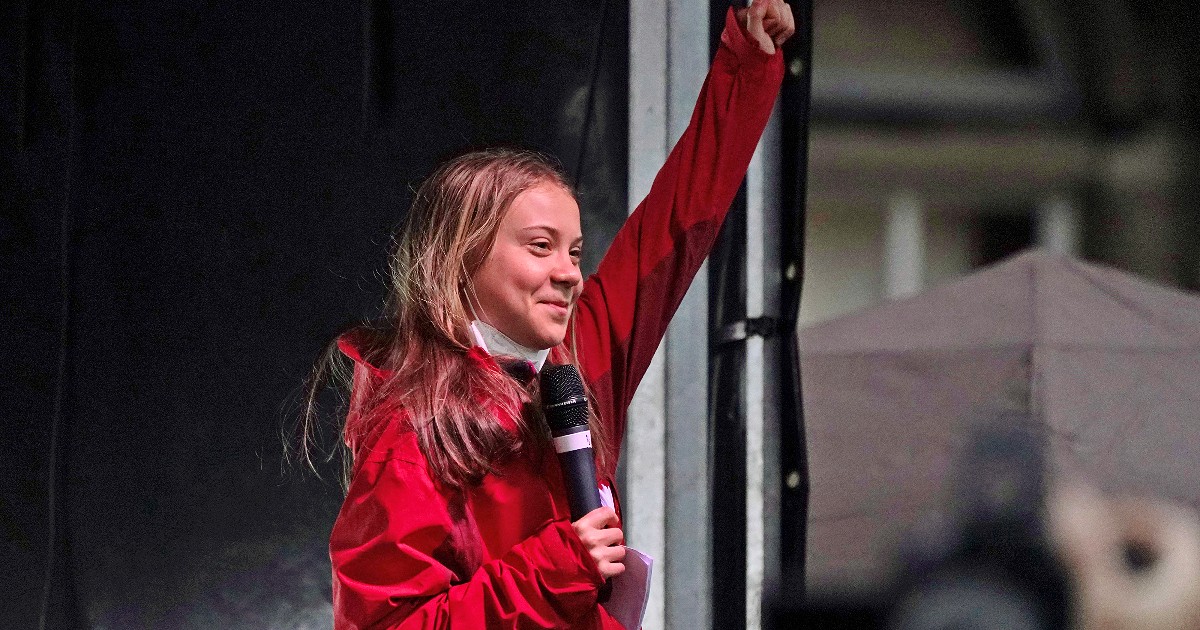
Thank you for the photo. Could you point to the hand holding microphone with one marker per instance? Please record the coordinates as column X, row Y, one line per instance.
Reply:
column 600, row 533
column 566, row 409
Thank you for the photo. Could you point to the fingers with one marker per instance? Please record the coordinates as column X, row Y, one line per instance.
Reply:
column 769, row 23
column 610, row 561
column 755, row 15
column 599, row 518
column 758, row 11
column 599, row 531
column 594, row 538
column 779, row 23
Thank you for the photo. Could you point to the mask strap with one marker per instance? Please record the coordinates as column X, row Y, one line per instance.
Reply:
column 475, row 329
column 469, row 291
column 479, row 337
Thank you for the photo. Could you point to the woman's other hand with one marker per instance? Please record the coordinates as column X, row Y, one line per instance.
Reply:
column 601, row 533
column 768, row 22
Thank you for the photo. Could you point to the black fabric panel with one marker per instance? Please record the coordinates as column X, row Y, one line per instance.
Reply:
column 35, row 192
column 232, row 192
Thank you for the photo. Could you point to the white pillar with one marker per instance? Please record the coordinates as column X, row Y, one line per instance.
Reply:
column 1058, row 226
column 667, row 440
column 763, row 189
column 687, row 588
column 904, row 246
column 645, row 438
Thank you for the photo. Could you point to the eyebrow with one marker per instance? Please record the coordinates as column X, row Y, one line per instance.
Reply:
column 553, row 231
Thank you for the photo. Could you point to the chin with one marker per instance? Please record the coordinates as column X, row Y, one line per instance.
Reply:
column 546, row 344
column 551, row 339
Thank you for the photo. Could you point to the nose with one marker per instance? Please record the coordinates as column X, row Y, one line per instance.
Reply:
column 566, row 272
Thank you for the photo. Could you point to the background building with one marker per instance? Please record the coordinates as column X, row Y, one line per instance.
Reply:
column 947, row 135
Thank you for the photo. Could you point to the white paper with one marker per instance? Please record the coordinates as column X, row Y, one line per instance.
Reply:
column 606, row 498
column 631, row 590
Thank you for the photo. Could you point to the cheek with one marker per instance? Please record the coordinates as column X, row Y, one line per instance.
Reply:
column 525, row 275
column 509, row 280
column 488, row 283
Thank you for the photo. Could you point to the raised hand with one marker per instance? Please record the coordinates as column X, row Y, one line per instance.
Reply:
column 768, row 22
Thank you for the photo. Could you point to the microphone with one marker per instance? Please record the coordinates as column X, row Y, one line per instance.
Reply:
column 566, row 410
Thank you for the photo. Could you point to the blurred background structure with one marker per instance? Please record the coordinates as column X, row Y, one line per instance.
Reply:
column 945, row 137
column 948, row 134
column 1074, row 374
column 194, row 198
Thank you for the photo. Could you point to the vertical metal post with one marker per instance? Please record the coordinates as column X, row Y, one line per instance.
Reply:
column 645, row 438
column 688, row 568
column 667, row 441
column 795, row 103
column 762, row 272
column 754, row 382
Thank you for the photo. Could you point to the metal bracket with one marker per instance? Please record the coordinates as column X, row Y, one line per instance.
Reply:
column 742, row 330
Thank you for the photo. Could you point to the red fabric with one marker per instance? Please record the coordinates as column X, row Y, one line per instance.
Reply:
column 405, row 553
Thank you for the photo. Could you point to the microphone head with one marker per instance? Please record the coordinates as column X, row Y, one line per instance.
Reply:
column 563, row 397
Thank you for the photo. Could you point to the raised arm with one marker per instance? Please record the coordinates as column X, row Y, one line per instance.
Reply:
column 625, row 307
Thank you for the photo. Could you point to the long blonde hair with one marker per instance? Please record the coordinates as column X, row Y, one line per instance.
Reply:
column 421, row 349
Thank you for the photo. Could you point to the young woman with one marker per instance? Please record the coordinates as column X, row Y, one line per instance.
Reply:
column 456, row 514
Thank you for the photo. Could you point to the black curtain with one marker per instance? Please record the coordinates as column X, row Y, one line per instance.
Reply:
column 195, row 198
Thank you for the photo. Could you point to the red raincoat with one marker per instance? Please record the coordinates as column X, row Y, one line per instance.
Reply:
column 503, row 554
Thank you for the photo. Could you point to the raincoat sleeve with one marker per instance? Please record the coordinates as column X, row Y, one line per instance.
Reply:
column 626, row 305
column 397, row 551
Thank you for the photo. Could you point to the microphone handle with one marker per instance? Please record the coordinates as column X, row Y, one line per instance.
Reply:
column 578, row 471
column 579, row 475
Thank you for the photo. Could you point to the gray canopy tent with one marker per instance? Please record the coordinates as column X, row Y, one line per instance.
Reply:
column 1108, row 362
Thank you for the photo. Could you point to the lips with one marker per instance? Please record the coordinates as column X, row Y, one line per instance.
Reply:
column 558, row 306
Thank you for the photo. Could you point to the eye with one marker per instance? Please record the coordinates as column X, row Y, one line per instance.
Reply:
column 576, row 252
column 541, row 245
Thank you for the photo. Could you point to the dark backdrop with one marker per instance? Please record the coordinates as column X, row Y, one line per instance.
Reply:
column 195, row 197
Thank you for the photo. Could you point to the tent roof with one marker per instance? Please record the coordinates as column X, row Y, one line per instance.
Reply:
column 1035, row 298
column 1107, row 363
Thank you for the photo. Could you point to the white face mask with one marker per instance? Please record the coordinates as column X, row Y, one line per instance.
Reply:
column 497, row 343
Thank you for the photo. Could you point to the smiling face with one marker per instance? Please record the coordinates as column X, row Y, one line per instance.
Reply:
column 527, row 285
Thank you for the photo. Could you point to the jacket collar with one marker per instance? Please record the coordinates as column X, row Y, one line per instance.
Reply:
column 498, row 344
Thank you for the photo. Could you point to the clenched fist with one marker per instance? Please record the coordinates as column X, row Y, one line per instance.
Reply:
column 768, row 22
